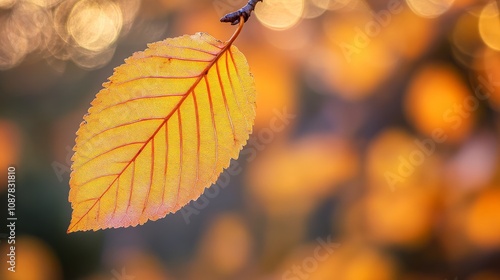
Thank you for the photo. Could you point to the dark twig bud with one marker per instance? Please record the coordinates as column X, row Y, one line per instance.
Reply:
column 246, row 11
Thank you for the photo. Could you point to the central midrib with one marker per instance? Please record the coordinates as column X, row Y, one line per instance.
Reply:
column 203, row 74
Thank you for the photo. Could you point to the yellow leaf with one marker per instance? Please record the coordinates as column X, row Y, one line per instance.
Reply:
column 160, row 131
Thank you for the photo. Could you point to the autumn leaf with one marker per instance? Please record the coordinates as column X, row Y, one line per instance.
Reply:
column 160, row 131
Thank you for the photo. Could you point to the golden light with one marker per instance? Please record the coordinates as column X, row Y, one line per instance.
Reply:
column 355, row 261
column 31, row 22
column 331, row 4
column 369, row 265
column 355, row 59
column 91, row 59
column 10, row 139
column 13, row 46
column 5, row 4
column 466, row 38
column 429, row 8
column 439, row 102
column 38, row 261
column 297, row 38
column 482, row 223
column 45, row 3
column 312, row 10
column 95, row 25
column 226, row 247
column 276, row 86
column 489, row 25
column 129, row 9
column 280, row 14
column 408, row 220
column 487, row 64
column 409, row 34
column 140, row 264
column 24, row 29
column 397, row 160
column 307, row 170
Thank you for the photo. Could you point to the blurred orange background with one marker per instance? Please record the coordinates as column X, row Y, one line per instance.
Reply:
column 374, row 154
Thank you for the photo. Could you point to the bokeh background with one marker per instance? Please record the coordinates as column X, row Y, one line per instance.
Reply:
column 377, row 129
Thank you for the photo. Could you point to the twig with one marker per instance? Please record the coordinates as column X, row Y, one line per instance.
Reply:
column 246, row 11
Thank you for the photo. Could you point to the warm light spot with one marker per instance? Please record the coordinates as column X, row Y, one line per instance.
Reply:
column 311, row 10
column 280, row 14
column 301, row 172
column 5, row 4
column 60, row 17
column 226, row 247
column 466, row 38
column 24, row 29
column 369, row 265
column 354, row 262
column 483, row 224
column 409, row 34
column 91, row 59
column 138, row 264
column 29, row 22
column 276, row 86
column 38, row 261
column 95, row 25
column 438, row 99
column 13, row 47
column 489, row 25
column 331, row 4
column 408, row 219
column 45, row 3
column 355, row 60
column 429, row 8
column 129, row 9
column 296, row 38
column 488, row 76
column 10, row 146
column 397, row 160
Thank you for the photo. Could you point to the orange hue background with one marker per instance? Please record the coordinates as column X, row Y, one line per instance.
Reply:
column 377, row 128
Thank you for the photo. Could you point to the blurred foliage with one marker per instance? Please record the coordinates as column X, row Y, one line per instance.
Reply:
column 393, row 153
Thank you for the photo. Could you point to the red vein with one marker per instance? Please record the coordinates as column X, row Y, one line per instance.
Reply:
column 210, row 43
column 233, row 91
column 175, row 58
column 236, row 68
column 140, row 98
column 156, row 77
column 98, row 210
column 214, row 126
column 194, row 49
column 164, row 170
column 225, row 100
column 180, row 157
column 116, row 198
column 95, row 178
column 198, row 139
column 118, row 126
column 150, row 174
column 131, row 191
column 109, row 151
column 203, row 75
column 85, row 200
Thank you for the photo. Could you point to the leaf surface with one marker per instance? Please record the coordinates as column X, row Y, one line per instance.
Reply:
column 161, row 130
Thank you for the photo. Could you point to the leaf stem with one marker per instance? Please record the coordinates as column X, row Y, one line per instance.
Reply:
column 245, row 12
column 237, row 32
